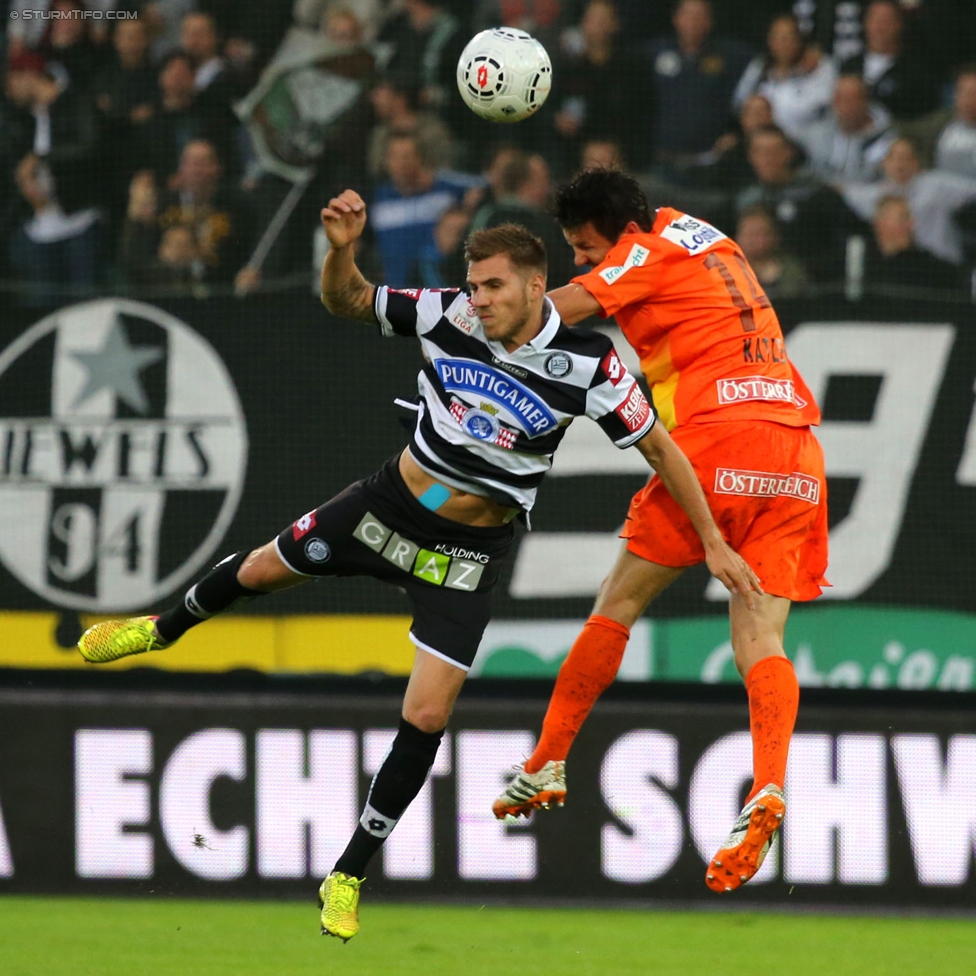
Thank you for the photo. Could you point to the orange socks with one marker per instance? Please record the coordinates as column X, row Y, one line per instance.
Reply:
column 588, row 670
column 774, row 697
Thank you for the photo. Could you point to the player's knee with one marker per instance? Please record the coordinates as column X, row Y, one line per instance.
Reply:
column 262, row 570
column 428, row 716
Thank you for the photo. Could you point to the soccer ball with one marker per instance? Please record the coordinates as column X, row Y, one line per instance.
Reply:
column 504, row 75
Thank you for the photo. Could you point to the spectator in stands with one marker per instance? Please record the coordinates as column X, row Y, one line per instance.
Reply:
column 948, row 136
column 443, row 265
column 811, row 217
column 311, row 14
column 794, row 75
column 396, row 108
column 50, row 149
column 730, row 169
column 894, row 258
column 543, row 19
column 851, row 142
column 524, row 193
column 933, row 198
column 126, row 87
column 175, row 119
column 426, row 42
column 405, row 210
column 52, row 248
column 901, row 82
column 215, row 87
column 69, row 43
column 694, row 75
column 164, row 21
column 197, row 198
column 780, row 273
column 598, row 93
column 602, row 154
column 124, row 93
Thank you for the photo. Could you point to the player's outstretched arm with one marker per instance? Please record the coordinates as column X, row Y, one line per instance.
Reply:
column 574, row 303
column 675, row 470
column 345, row 291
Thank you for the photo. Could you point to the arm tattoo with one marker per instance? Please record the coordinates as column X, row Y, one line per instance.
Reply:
column 352, row 300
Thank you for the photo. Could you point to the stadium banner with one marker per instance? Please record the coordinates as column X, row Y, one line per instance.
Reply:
column 253, row 792
column 141, row 442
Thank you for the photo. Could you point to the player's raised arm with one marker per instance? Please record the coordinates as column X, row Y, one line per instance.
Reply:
column 345, row 291
column 675, row 470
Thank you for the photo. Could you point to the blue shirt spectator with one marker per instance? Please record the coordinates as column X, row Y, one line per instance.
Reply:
column 405, row 211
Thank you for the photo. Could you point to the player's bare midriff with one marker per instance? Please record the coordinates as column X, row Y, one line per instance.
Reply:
column 462, row 506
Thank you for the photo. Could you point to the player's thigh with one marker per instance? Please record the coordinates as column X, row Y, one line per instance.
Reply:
column 757, row 633
column 631, row 584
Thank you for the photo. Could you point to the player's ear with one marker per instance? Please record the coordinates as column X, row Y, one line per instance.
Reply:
column 633, row 228
column 537, row 285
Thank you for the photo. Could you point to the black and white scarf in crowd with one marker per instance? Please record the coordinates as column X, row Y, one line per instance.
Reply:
column 488, row 420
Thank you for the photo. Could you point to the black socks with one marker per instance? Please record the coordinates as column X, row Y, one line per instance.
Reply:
column 394, row 786
column 217, row 591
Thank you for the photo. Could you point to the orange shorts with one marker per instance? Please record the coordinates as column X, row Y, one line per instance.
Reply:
column 766, row 487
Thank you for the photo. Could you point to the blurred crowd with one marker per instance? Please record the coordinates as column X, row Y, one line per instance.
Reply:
column 187, row 144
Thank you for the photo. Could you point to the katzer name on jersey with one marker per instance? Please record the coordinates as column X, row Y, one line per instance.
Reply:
column 490, row 420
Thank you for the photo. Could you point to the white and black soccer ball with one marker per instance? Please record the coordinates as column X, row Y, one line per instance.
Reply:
column 504, row 74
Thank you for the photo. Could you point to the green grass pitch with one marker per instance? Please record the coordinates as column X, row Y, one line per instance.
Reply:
column 109, row 937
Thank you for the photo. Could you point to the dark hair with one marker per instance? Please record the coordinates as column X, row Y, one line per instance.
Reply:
column 605, row 198
column 524, row 249
column 964, row 70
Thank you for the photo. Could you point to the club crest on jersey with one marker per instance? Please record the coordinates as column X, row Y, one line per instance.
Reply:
column 558, row 365
column 317, row 550
column 693, row 235
column 482, row 424
column 468, row 376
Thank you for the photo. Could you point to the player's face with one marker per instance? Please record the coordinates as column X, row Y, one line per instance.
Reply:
column 588, row 244
column 506, row 302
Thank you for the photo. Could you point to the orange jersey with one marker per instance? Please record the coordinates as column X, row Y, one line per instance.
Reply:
column 709, row 341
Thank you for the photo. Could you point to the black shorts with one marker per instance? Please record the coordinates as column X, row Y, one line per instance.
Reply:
column 376, row 527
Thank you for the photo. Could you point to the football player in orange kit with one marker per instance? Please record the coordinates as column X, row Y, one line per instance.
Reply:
column 712, row 351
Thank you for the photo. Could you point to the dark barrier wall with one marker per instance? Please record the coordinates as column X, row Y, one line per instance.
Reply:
column 139, row 442
column 120, row 789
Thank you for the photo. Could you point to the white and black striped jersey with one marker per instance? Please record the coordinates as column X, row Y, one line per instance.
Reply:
column 490, row 420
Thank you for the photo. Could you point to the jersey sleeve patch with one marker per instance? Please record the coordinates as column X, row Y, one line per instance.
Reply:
column 635, row 259
column 635, row 410
column 612, row 368
column 396, row 309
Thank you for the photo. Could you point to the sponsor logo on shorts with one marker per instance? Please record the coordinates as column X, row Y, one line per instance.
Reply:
column 637, row 256
column 613, row 367
column 303, row 526
column 317, row 550
column 446, row 565
column 738, row 389
column 635, row 410
column 558, row 365
column 731, row 481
